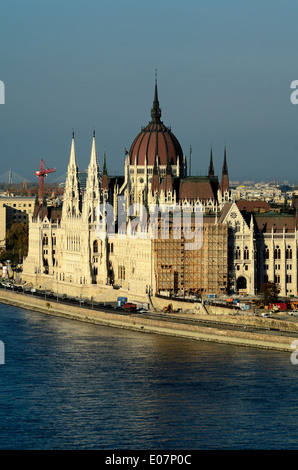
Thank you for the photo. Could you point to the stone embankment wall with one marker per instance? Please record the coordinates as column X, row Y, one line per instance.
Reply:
column 147, row 325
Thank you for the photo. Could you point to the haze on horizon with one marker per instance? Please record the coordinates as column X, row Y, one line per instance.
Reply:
column 224, row 76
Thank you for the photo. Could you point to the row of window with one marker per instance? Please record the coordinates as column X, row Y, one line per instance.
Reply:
column 62, row 278
column 277, row 253
column 266, row 267
column 96, row 247
column 19, row 205
column 277, row 267
column 121, row 272
column 277, row 278
column 266, row 254
column 45, row 240
column 238, row 253
column 141, row 171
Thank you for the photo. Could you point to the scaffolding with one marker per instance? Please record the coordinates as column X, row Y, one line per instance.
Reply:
column 183, row 271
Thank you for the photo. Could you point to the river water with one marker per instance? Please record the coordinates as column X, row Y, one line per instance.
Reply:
column 72, row 385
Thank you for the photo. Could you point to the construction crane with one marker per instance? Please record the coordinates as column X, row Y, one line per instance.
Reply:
column 42, row 173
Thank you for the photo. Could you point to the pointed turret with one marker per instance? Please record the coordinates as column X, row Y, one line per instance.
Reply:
column 155, row 178
column 167, row 182
column 72, row 196
column 93, row 168
column 92, row 193
column 211, row 168
column 104, row 178
column 155, row 111
column 93, row 158
column 104, row 167
column 72, row 158
column 225, row 186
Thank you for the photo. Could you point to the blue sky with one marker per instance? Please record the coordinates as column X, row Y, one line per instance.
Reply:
column 224, row 75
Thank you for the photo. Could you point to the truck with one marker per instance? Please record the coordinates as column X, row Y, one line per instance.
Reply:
column 121, row 301
column 280, row 305
column 130, row 306
column 211, row 296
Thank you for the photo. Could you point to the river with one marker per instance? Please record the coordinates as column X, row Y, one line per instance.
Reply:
column 69, row 385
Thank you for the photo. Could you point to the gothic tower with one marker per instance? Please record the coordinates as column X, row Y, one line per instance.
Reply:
column 92, row 194
column 72, row 203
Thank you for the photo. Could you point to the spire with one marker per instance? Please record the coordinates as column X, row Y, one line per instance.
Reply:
column 155, row 111
column 104, row 178
column 225, row 166
column 211, row 168
column 73, row 159
column 92, row 182
column 72, row 195
column 225, row 186
column 93, row 159
column 104, row 168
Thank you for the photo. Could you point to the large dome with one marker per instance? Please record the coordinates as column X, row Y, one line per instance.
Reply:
column 155, row 139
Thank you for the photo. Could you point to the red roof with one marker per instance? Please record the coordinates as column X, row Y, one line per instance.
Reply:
column 194, row 188
column 276, row 222
column 155, row 139
column 252, row 206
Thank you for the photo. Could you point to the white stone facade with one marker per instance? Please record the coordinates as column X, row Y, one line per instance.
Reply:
column 66, row 254
column 262, row 247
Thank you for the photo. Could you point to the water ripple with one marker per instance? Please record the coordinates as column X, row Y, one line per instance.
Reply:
column 70, row 385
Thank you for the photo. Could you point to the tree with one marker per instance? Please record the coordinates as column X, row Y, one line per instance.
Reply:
column 16, row 242
column 270, row 291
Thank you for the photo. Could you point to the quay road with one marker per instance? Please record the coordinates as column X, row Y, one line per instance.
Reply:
column 216, row 324
column 111, row 307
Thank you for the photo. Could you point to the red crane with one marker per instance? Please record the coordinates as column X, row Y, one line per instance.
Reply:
column 41, row 174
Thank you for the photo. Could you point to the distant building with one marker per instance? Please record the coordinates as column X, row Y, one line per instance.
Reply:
column 14, row 209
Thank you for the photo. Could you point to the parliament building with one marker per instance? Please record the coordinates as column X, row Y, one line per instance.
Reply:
column 244, row 243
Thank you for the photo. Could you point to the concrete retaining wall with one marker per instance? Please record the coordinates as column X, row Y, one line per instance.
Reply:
column 139, row 323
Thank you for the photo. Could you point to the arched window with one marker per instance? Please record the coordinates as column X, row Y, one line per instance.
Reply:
column 241, row 283
column 95, row 246
column 246, row 253
column 277, row 252
column 266, row 252
column 289, row 253
column 238, row 253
